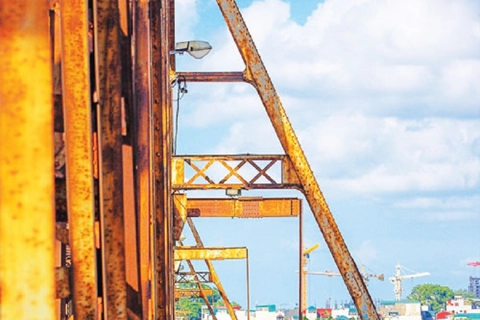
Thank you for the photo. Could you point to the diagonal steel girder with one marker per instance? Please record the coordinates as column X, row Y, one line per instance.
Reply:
column 284, row 130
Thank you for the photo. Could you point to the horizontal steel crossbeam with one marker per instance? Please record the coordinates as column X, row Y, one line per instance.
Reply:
column 243, row 207
column 212, row 253
column 199, row 276
column 233, row 172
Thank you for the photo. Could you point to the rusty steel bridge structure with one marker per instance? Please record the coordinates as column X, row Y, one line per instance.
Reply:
column 93, row 201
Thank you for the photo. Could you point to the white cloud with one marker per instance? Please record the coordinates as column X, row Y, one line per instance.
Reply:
column 449, row 216
column 370, row 49
column 384, row 97
column 364, row 154
column 186, row 18
column 366, row 253
column 384, row 67
column 449, row 203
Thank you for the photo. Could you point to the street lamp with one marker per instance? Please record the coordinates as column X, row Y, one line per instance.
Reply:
column 197, row 49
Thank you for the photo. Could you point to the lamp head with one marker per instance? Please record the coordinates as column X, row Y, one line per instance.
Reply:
column 197, row 49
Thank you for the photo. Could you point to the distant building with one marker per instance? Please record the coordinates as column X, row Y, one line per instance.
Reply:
column 474, row 286
column 324, row 313
column 401, row 310
column 261, row 312
column 467, row 316
column 344, row 313
column 460, row 305
column 444, row 315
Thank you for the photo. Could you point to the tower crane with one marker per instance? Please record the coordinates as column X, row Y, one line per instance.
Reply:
column 474, row 264
column 399, row 277
column 366, row 276
column 304, row 272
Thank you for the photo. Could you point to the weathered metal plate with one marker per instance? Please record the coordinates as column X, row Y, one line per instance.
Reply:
column 244, row 207
column 212, row 253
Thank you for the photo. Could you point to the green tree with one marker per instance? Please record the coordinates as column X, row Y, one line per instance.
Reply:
column 192, row 306
column 464, row 293
column 434, row 295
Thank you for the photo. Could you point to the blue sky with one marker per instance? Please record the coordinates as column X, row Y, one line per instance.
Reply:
column 384, row 97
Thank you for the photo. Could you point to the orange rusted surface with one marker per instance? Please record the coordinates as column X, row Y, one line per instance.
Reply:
column 243, row 207
column 162, row 42
column 283, row 128
column 180, row 214
column 109, row 113
column 211, row 253
column 27, row 221
column 79, row 175
column 212, row 76
column 131, row 261
column 142, row 147
column 190, row 293
column 62, row 280
column 239, row 172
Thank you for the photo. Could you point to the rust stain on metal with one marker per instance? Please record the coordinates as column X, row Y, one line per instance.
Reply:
column 162, row 42
column 269, row 172
column 26, row 163
column 180, row 214
column 62, row 279
column 142, row 146
column 61, row 232
column 211, row 253
column 110, row 158
column 80, row 201
column 212, row 76
column 191, row 293
column 243, row 207
column 291, row 146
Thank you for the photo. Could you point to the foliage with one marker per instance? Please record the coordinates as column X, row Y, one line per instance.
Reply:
column 432, row 294
column 464, row 293
column 192, row 306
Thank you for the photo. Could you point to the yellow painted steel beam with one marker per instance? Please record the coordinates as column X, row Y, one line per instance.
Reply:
column 195, row 292
column 269, row 172
column 78, row 142
column 27, row 220
column 180, row 214
column 212, row 253
column 244, row 207
column 307, row 251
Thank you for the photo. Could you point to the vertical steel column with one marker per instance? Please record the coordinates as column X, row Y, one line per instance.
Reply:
column 162, row 42
column 264, row 86
column 142, row 147
column 79, row 173
column 301, row 280
column 26, row 163
column 111, row 167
